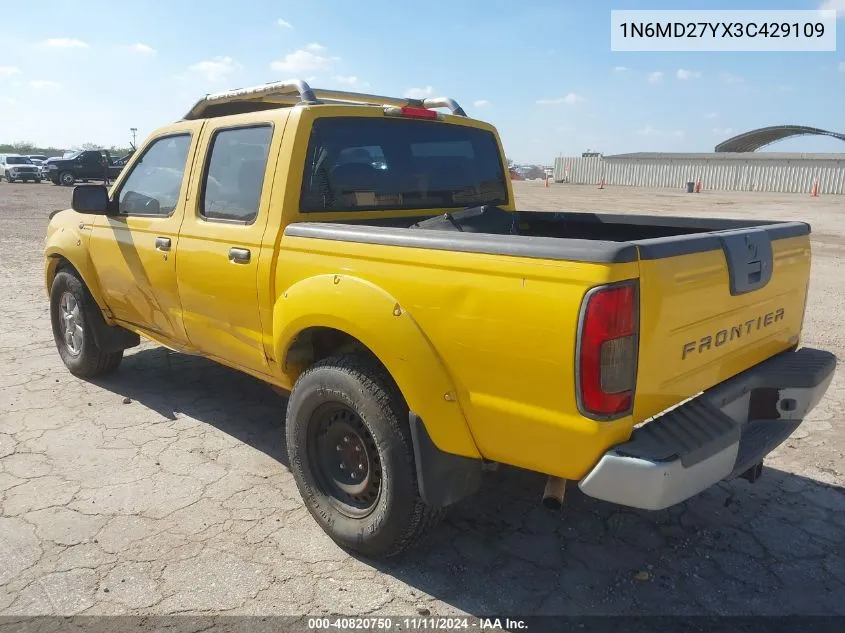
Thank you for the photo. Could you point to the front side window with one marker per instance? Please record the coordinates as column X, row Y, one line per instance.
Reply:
column 356, row 164
column 155, row 182
column 92, row 158
column 234, row 177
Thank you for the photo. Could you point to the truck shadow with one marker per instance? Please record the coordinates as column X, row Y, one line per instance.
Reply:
column 171, row 383
column 774, row 547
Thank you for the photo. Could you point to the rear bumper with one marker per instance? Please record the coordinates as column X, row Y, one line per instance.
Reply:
column 718, row 435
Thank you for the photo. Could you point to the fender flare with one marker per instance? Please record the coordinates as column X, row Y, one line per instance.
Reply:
column 376, row 319
column 67, row 244
column 109, row 337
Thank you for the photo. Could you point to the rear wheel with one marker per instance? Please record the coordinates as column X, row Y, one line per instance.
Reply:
column 351, row 455
column 71, row 307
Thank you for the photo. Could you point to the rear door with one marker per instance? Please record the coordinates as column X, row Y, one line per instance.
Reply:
column 715, row 304
column 221, row 237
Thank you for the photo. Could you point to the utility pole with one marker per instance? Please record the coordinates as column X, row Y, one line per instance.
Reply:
column 134, row 131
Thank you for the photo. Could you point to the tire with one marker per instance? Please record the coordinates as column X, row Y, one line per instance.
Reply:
column 37, row 181
column 69, row 296
column 67, row 178
column 9, row 179
column 353, row 398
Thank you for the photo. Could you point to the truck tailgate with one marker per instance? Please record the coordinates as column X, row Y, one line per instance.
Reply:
column 714, row 304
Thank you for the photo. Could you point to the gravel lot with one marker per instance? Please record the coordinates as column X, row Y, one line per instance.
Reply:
column 181, row 500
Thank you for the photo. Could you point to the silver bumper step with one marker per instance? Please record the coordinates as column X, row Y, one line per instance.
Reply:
column 719, row 435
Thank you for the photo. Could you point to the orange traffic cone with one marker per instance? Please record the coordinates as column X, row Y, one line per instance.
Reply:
column 601, row 183
column 816, row 188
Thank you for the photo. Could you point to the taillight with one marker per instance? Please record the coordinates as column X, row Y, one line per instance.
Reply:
column 607, row 351
column 412, row 112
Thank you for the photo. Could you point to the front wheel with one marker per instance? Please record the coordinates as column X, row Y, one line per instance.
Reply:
column 67, row 178
column 9, row 178
column 350, row 452
column 71, row 307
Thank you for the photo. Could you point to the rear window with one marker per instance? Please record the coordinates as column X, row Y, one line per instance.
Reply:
column 363, row 164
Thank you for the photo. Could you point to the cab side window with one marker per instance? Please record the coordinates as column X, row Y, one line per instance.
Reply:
column 91, row 159
column 155, row 182
column 234, row 175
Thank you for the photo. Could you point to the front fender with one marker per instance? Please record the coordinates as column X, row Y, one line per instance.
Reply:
column 66, row 241
column 370, row 314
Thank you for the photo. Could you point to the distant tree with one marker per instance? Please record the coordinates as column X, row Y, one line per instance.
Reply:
column 24, row 147
column 90, row 146
column 114, row 150
column 534, row 171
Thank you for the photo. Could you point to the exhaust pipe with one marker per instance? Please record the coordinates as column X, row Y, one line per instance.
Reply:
column 554, row 493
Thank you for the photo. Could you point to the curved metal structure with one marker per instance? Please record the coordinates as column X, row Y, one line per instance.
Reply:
column 755, row 139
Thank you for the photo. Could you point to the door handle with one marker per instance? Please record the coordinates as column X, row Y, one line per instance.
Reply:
column 163, row 243
column 239, row 255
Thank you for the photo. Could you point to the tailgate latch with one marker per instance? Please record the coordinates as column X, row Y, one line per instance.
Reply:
column 749, row 257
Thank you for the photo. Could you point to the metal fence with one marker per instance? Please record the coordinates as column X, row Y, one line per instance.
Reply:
column 735, row 174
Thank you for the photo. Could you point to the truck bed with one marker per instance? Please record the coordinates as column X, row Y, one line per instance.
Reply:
column 585, row 237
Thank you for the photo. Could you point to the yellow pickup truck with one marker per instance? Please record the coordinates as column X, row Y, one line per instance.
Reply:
column 365, row 254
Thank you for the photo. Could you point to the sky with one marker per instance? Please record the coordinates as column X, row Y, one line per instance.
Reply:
column 77, row 71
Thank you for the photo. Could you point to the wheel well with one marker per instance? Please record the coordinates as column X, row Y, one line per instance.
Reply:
column 316, row 343
column 60, row 264
column 443, row 478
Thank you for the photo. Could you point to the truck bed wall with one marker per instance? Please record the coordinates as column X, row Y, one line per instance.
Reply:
column 591, row 226
column 503, row 327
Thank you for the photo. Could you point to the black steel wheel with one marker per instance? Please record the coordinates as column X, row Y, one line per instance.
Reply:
column 345, row 458
column 351, row 454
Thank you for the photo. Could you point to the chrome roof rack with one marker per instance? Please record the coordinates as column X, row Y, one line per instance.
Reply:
column 295, row 92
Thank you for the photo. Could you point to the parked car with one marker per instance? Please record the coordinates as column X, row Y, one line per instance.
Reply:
column 82, row 165
column 42, row 169
column 645, row 358
column 15, row 167
column 40, row 157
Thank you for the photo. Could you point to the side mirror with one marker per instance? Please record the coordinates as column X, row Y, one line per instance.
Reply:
column 91, row 199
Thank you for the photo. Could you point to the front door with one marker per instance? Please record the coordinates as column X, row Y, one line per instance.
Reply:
column 221, row 237
column 134, row 252
column 90, row 166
